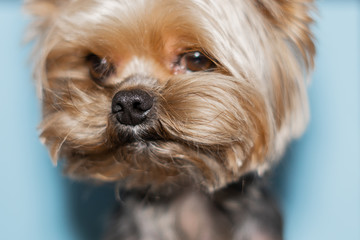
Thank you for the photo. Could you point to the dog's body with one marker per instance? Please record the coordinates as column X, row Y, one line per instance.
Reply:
column 242, row 211
column 172, row 95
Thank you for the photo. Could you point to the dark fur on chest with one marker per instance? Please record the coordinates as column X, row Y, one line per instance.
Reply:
column 243, row 211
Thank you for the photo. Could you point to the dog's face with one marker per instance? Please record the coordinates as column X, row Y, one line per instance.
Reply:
column 171, row 91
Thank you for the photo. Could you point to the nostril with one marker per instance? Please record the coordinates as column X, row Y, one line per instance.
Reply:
column 132, row 106
column 137, row 106
column 117, row 108
column 144, row 104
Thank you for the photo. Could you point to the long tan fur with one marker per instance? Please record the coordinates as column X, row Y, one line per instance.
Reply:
column 210, row 127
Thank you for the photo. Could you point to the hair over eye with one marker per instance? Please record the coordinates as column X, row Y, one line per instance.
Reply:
column 100, row 69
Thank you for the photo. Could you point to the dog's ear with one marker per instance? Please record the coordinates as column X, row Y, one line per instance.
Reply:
column 291, row 59
column 43, row 12
column 293, row 20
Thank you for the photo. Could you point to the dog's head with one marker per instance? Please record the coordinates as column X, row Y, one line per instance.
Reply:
column 171, row 91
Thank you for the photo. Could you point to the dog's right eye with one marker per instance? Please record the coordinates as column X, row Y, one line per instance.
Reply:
column 193, row 61
column 99, row 68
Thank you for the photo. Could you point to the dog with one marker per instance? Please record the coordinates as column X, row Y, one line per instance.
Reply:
column 186, row 104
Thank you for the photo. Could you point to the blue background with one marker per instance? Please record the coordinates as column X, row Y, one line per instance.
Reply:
column 318, row 181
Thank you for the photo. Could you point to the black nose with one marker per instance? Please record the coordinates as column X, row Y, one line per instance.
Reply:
column 132, row 107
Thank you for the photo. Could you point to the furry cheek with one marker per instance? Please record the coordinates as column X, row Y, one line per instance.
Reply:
column 215, row 111
column 75, row 119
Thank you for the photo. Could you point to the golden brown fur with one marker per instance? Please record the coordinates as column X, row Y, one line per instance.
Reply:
column 209, row 128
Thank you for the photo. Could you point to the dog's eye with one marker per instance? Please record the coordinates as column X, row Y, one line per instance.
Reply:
column 100, row 68
column 195, row 62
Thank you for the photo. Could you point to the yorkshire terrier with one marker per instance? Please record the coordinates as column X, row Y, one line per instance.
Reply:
column 186, row 104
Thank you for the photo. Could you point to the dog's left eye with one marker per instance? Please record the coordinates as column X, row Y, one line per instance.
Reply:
column 196, row 61
column 100, row 68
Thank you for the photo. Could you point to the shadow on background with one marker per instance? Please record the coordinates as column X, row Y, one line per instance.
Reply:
column 90, row 208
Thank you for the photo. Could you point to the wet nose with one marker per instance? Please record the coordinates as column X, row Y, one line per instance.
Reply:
column 132, row 107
